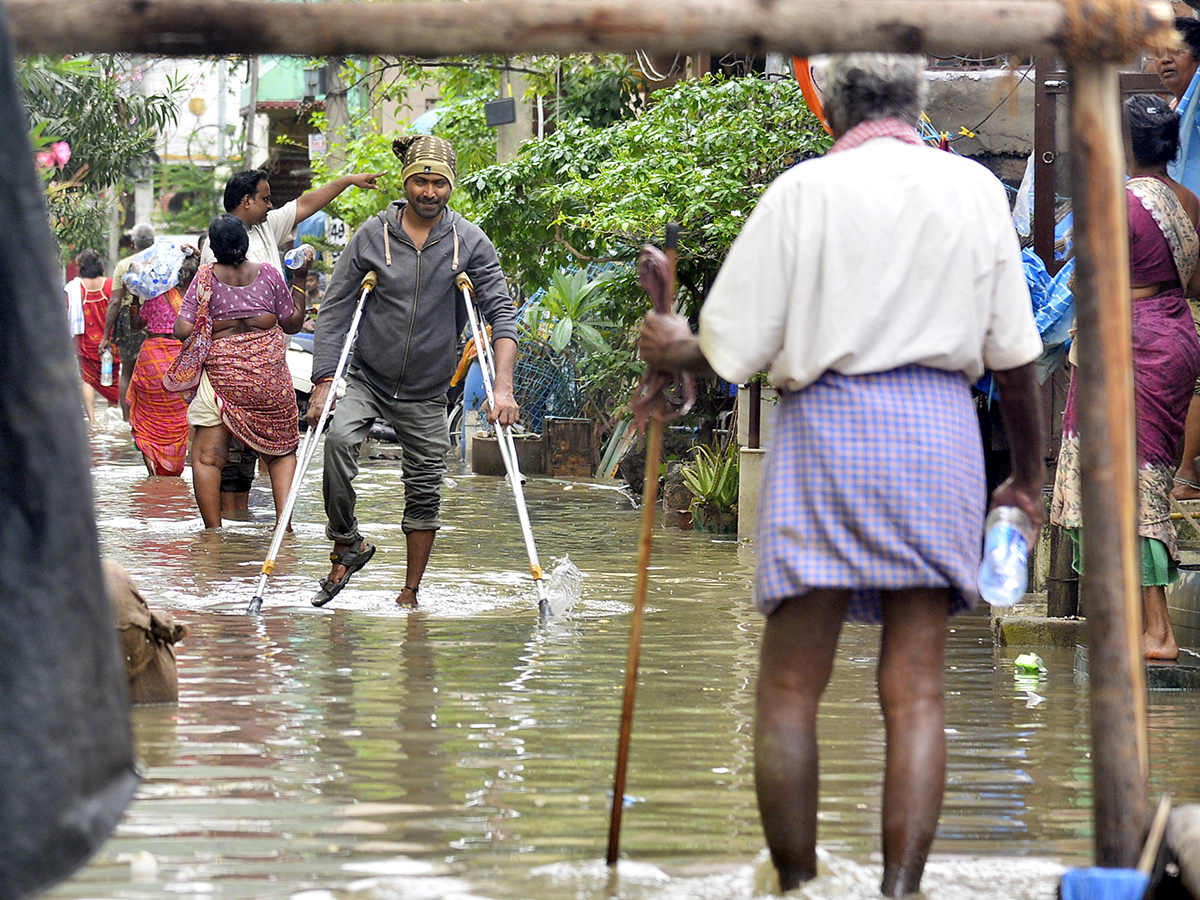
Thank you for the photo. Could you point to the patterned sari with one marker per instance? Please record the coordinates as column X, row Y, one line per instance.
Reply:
column 158, row 417
column 1163, row 249
column 253, row 386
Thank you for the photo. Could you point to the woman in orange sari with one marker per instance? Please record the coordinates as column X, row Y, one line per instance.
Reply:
column 158, row 417
column 87, row 305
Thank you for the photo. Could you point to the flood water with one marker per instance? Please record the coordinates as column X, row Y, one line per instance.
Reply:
column 466, row 750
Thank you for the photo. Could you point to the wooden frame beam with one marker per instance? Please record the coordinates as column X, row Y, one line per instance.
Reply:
column 514, row 27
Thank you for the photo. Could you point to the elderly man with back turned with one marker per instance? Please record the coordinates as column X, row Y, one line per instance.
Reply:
column 878, row 282
column 405, row 353
column 248, row 196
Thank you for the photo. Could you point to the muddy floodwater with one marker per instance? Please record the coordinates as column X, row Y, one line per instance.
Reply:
column 466, row 750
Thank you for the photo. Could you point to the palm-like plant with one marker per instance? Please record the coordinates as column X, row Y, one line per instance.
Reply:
column 570, row 310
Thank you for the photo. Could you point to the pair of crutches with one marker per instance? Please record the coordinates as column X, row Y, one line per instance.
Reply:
column 309, row 447
column 508, row 449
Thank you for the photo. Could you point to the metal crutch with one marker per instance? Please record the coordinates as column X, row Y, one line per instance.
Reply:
column 309, row 447
column 508, row 450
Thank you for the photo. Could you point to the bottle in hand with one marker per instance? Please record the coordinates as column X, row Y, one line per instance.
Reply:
column 297, row 256
column 106, row 367
column 1004, row 573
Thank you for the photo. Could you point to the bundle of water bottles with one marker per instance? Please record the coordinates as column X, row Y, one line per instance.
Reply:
column 155, row 270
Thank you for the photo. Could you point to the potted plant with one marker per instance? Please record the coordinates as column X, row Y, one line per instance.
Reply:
column 712, row 477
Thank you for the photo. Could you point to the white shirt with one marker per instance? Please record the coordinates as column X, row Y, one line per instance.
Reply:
column 266, row 237
column 871, row 259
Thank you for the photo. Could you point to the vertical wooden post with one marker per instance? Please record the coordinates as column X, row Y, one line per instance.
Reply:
column 1111, row 584
column 754, row 416
column 1045, row 151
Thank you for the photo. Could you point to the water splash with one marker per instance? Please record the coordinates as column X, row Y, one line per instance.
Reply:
column 564, row 586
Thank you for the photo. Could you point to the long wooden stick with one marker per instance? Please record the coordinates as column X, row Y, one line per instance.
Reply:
column 645, row 540
column 515, row 27
column 1110, row 588
column 649, row 509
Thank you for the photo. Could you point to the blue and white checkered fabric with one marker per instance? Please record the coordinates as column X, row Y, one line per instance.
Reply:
column 873, row 482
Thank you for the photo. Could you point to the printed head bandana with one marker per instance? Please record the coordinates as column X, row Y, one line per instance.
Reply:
column 424, row 153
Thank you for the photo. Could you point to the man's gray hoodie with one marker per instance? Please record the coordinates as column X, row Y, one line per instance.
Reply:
column 408, row 336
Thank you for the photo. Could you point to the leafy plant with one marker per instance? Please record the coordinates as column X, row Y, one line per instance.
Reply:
column 701, row 155
column 712, row 477
column 568, row 311
column 85, row 103
column 599, row 90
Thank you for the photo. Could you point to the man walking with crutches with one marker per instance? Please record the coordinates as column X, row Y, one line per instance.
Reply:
column 404, row 355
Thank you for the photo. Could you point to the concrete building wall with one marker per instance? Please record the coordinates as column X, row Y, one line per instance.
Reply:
column 997, row 106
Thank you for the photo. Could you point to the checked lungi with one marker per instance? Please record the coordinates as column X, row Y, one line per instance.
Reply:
column 873, row 482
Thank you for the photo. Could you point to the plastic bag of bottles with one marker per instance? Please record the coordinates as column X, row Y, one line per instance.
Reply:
column 155, row 270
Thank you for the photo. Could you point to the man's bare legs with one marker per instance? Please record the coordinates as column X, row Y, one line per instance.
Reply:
column 912, row 694
column 419, row 545
column 1158, row 638
column 796, row 661
column 798, row 649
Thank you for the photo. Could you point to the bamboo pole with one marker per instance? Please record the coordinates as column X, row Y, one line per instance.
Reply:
column 1111, row 584
column 514, row 27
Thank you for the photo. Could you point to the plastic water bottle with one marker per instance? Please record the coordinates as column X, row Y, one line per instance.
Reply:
column 1003, row 574
column 106, row 367
column 298, row 256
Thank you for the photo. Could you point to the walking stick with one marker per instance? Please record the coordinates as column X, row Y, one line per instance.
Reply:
column 657, row 276
column 508, row 450
column 309, row 448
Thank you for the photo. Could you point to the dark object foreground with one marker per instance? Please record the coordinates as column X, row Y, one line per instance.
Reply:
column 66, row 771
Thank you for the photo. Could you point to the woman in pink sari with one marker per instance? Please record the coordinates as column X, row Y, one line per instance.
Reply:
column 157, row 416
column 1163, row 250
column 245, row 388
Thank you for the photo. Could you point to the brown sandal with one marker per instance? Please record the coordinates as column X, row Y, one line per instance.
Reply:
column 353, row 560
column 405, row 604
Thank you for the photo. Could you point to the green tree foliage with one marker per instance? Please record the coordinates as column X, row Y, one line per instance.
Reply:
column 701, row 155
column 194, row 196
column 85, row 102
column 599, row 91
column 463, row 86
column 593, row 90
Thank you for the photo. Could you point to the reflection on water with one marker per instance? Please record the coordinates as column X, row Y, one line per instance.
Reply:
column 467, row 749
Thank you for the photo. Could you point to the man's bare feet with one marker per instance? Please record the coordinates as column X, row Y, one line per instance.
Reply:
column 1160, row 648
column 408, row 597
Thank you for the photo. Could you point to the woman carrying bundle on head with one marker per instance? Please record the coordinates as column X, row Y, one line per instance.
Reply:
column 1163, row 250
column 157, row 416
column 245, row 388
